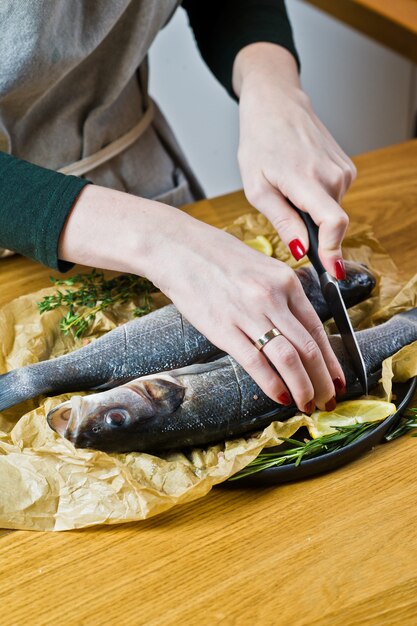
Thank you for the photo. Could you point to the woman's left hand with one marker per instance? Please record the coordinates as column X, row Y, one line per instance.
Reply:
column 286, row 152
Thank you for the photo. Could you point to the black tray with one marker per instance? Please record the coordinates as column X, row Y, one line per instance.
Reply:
column 331, row 460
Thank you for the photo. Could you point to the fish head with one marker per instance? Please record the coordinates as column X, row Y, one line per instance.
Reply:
column 107, row 420
column 358, row 278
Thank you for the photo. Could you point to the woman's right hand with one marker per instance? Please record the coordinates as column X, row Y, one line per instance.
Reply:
column 229, row 292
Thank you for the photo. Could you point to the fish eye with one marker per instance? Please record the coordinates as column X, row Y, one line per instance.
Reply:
column 116, row 417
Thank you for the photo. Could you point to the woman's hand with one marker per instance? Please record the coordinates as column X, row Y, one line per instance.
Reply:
column 286, row 152
column 228, row 291
column 234, row 295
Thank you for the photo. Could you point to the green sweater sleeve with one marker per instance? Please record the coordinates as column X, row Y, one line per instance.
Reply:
column 223, row 27
column 34, row 204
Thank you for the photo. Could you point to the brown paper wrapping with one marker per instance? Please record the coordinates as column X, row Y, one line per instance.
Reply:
column 48, row 484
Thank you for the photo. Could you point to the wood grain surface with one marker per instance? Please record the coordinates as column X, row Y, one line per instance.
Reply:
column 390, row 22
column 339, row 549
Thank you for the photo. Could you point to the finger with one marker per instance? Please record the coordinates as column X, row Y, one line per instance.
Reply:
column 347, row 161
column 334, row 147
column 342, row 178
column 305, row 313
column 312, row 360
column 288, row 224
column 295, row 325
column 285, row 358
column 258, row 367
column 333, row 176
column 332, row 222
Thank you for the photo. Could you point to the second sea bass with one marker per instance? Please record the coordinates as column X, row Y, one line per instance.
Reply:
column 162, row 340
column 204, row 403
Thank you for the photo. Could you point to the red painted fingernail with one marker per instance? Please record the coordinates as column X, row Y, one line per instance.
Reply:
column 339, row 268
column 285, row 399
column 309, row 407
column 331, row 404
column 339, row 386
column 297, row 249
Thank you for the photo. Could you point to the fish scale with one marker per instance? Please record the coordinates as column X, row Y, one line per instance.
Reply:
column 160, row 341
column 210, row 402
column 390, row 337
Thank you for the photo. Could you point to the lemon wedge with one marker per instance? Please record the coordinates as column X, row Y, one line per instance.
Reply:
column 348, row 413
column 261, row 244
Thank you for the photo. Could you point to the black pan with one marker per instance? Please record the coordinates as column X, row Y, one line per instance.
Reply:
column 331, row 460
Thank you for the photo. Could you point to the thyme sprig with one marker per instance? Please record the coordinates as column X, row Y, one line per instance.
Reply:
column 296, row 451
column 93, row 293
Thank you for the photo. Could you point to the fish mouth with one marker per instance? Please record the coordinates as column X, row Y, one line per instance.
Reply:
column 65, row 418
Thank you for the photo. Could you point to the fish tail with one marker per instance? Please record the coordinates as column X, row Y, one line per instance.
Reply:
column 13, row 390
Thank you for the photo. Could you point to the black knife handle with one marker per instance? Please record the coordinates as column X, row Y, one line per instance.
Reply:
column 313, row 236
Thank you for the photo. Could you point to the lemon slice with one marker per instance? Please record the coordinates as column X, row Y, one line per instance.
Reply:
column 261, row 244
column 348, row 413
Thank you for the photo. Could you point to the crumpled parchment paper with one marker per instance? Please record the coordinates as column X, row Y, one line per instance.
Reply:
column 48, row 484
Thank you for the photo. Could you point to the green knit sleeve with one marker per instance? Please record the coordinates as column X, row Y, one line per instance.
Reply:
column 34, row 204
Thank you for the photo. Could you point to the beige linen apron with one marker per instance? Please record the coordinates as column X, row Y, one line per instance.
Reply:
column 74, row 95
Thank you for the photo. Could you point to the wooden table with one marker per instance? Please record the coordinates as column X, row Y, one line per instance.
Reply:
column 391, row 22
column 336, row 549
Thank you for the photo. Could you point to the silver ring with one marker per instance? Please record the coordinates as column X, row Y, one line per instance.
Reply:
column 262, row 341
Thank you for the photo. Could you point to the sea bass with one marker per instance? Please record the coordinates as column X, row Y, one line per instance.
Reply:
column 162, row 340
column 204, row 403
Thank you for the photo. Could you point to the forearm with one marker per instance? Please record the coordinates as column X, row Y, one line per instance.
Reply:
column 116, row 230
column 264, row 64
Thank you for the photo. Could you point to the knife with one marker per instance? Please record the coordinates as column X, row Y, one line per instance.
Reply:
column 333, row 297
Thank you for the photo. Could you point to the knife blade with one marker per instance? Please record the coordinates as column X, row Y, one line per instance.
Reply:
column 331, row 293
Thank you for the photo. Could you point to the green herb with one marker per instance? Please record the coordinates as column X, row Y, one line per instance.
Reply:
column 296, row 450
column 406, row 424
column 93, row 293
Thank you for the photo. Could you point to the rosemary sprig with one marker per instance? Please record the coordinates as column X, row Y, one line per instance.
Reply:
column 296, row 451
column 305, row 449
column 406, row 424
column 93, row 293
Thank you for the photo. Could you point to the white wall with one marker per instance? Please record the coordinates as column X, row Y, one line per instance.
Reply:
column 362, row 91
column 202, row 114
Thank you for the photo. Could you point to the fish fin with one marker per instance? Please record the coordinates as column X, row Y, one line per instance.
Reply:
column 199, row 368
column 166, row 395
column 112, row 383
column 215, row 357
column 12, row 391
